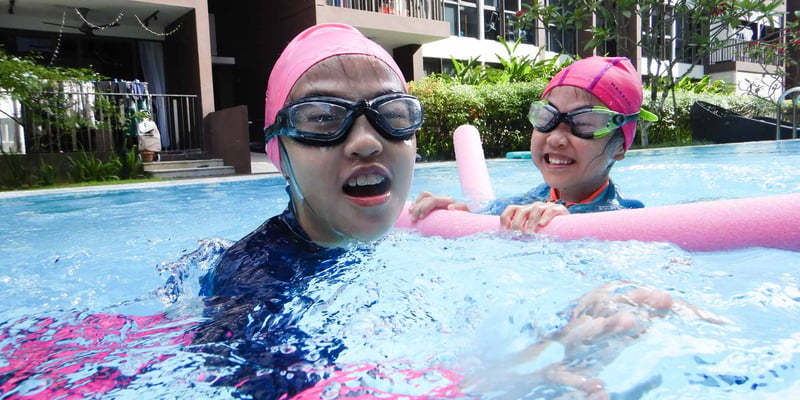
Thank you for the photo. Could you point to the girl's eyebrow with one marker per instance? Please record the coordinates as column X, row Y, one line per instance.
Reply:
column 588, row 105
column 337, row 95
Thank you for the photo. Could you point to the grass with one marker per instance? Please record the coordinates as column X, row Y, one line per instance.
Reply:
column 85, row 184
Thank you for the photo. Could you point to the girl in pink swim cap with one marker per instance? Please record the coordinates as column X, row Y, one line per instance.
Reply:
column 341, row 129
column 584, row 123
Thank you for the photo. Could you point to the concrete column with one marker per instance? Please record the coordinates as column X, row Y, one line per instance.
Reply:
column 409, row 59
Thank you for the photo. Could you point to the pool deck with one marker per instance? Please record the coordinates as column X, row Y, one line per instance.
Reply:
column 260, row 164
column 260, row 167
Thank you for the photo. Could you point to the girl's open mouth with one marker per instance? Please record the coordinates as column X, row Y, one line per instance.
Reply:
column 557, row 160
column 367, row 185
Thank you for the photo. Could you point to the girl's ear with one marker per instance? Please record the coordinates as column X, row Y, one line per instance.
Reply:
column 617, row 143
column 619, row 153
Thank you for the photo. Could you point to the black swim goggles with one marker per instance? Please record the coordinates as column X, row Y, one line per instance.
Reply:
column 325, row 121
column 590, row 122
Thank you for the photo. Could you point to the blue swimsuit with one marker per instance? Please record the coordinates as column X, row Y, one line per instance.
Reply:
column 608, row 200
column 246, row 294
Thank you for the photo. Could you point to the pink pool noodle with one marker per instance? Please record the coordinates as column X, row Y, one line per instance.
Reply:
column 472, row 171
column 768, row 221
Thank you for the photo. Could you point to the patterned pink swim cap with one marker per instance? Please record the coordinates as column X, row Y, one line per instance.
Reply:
column 308, row 48
column 613, row 80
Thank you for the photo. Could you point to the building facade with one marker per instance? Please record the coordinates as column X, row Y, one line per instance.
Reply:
column 222, row 51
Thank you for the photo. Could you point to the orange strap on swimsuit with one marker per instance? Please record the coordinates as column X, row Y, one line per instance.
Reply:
column 554, row 196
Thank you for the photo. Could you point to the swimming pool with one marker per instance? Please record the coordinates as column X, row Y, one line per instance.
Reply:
column 100, row 285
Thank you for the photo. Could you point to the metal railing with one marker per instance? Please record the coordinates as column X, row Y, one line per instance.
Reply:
column 105, row 122
column 794, row 95
column 423, row 9
column 743, row 51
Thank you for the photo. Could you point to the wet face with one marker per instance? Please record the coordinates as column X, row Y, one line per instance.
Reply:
column 575, row 167
column 355, row 190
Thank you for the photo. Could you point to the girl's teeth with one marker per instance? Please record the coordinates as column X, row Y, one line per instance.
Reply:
column 558, row 161
column 365, row 180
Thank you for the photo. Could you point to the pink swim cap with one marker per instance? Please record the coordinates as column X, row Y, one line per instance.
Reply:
column 308, row 48
column 613, row 80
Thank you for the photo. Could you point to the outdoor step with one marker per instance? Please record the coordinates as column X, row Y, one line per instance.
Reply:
column 187, row 154
column 199, row 172
column 182, row 164
column 198, row 168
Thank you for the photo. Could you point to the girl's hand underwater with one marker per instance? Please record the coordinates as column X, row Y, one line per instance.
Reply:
column 602, row 323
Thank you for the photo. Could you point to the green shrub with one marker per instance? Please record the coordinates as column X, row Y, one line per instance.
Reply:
column 88, row 168
column 131, row 164
column 14, row 174
column 498, row 111
column 446, row 106
column 48, row 173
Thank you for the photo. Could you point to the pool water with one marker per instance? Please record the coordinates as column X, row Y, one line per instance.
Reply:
column 100, row 289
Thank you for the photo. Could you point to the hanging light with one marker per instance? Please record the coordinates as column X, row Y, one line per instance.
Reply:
column 153, row 16
column 145, row 24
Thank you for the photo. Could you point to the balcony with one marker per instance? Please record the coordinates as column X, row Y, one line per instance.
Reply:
column 739, row 54
column 76, row 121
column 422, row 9
column 392, row 23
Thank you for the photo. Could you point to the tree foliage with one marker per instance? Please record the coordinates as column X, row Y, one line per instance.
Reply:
column 682, row 32
column 31, row 82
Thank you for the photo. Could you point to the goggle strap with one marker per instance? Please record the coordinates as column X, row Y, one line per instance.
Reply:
column 645, row 115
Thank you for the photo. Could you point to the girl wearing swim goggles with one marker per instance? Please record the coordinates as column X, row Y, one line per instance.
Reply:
column 585, row 122
column 340, row 128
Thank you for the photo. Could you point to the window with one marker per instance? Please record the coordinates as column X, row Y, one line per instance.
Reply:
column 512, row 6
column 491, row 26
column 462, row 16
column 498, row 19
column 513, row 32
column 686, row 28
column 431, row 66
column 108, row 56
column 608, row 47
column 450, row 16
column 468, row 21
column 563, row 40
column 660, row 32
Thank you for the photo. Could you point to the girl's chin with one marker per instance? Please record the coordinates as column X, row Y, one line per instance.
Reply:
column 372, row 231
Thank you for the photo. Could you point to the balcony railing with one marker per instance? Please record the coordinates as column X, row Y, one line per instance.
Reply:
column 78, row 122
column 744, row 51
column 423, row 9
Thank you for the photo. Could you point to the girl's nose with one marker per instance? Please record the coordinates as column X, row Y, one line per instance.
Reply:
column 559, row 136
column 363, row 140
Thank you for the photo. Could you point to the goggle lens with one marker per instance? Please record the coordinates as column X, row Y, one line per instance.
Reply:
column 587, row 122
column 325, row 121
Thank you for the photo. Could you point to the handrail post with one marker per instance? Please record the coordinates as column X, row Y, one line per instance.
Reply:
column 793, row 91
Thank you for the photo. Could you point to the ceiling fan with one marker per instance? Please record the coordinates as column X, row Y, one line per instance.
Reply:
column 86, row 28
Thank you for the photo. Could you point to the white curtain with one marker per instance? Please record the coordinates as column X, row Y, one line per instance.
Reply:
column 12, row 133
column 151, row 54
